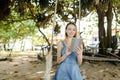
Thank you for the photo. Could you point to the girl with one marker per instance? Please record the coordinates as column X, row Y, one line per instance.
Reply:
column 68, row 68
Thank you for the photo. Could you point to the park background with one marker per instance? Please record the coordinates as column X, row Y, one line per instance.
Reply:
column 27, row 27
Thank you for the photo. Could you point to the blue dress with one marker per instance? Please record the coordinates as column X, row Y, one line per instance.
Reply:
column 68, row 69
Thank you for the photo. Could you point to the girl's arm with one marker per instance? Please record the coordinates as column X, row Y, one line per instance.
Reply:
column 59, row 57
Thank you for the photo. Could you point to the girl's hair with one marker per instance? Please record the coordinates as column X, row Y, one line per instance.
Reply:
column 71, row 23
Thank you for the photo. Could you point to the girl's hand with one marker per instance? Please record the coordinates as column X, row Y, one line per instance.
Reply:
column 79, row 50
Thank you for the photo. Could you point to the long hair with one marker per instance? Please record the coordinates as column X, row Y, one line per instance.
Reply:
column 71, row 23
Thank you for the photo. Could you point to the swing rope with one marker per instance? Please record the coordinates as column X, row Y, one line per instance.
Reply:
column 49, row 56
column 79, row 14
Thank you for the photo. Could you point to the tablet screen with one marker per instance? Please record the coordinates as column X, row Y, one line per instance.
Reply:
column 75, row 43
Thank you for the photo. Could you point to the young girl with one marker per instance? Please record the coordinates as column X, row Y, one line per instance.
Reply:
column 68, row 68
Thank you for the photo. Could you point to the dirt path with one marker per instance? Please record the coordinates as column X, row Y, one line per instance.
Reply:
column 29, row 68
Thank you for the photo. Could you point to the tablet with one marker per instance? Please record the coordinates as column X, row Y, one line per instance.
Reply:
column 75, row 43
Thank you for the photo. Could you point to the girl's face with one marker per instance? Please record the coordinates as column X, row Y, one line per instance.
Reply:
column 71, row 31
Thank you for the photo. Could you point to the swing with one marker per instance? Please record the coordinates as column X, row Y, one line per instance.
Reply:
column 49, row 56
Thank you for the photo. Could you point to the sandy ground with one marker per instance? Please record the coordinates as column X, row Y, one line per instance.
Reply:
column 29, row 68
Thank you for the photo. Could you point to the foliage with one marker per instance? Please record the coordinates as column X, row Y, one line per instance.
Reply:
column 18, row 14
column 56, row 29
column 42, row 11
column 16, row 30
column 116, row 8
column 5, row 6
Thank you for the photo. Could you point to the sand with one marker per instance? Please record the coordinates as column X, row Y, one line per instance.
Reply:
column 28, row 67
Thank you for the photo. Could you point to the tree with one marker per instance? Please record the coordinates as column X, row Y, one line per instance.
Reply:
column 105, row 9
column 42, row 12
column 102, row 9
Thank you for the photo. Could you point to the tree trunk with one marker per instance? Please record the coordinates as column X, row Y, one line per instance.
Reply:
column 101, row 15
column 109, row 15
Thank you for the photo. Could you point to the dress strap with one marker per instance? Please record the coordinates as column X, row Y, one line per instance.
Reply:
column 64, row 48
column 63, row 43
